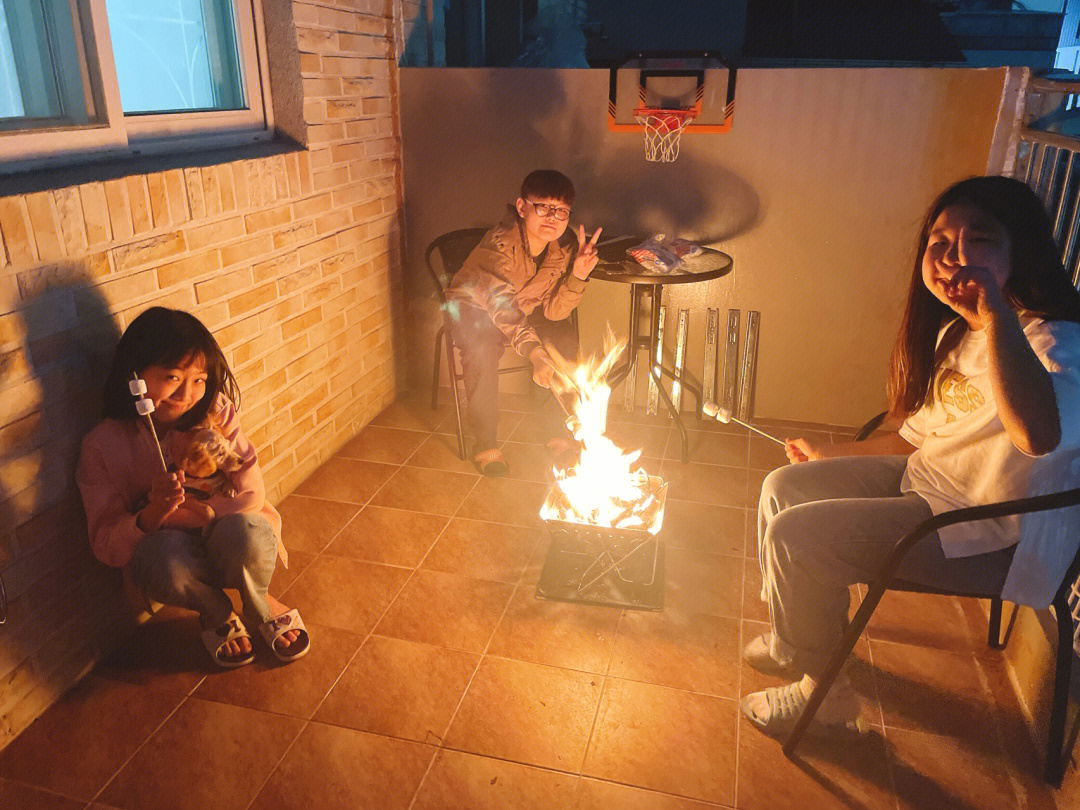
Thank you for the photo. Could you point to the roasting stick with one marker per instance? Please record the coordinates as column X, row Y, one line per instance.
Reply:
column 723, row 414
column 145, row 407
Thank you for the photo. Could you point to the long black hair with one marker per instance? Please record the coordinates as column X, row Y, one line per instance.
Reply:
column 1037, row 283
column 167, row 337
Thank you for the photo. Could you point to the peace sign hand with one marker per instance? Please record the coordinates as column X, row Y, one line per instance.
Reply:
column 586, row 256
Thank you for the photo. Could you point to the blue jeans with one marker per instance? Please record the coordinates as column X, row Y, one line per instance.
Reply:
column 182, row 568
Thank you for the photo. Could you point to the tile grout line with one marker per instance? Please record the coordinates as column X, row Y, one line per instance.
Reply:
column 603, row 690
column 465, row 691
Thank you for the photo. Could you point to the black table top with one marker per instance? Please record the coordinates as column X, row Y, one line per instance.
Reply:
column 616, row 265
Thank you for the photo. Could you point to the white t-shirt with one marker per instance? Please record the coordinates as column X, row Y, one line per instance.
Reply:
column 965, row 458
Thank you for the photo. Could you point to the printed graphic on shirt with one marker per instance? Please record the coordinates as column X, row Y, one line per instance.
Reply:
column 957, row 395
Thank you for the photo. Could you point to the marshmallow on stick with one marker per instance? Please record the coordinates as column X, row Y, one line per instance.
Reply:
column 145, row 407
column 723, row 414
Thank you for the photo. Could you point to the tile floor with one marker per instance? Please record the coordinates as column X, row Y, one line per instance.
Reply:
column 438, row 680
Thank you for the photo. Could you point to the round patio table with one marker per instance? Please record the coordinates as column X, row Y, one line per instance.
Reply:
column 615, row 265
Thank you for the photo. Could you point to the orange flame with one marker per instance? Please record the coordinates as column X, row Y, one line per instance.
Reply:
column 603, row 488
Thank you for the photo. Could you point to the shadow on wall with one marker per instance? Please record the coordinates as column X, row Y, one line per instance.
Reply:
column 471, row 136
column 49, row 571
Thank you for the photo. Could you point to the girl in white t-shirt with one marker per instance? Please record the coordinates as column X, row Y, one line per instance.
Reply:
column 985, row 374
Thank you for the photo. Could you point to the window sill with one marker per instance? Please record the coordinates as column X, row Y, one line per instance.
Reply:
column 47, row 179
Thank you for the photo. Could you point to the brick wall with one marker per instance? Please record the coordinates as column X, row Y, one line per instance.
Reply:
column 294, row 262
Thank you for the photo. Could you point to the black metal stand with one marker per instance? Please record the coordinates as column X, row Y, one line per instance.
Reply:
column 615, row 266
column 576, row 570
column 648, row 341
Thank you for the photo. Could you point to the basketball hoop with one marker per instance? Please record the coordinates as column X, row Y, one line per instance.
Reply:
column 663, row 131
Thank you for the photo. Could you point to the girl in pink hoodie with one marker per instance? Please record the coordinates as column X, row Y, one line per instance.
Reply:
column 179, row 550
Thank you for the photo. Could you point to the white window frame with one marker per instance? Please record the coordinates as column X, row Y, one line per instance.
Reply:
column 113, row 134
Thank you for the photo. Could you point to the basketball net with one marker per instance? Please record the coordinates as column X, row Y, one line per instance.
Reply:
column 663, row 131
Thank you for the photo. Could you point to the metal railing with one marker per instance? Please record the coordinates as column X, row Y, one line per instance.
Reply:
column 1046, row 159
column 1048, row 163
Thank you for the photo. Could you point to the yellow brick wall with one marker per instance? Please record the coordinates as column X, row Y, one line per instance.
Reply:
column 292, row 260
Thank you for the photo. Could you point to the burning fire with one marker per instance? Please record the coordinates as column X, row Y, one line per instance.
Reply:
column 602, row 489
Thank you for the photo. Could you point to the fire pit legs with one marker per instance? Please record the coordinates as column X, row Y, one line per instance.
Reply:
column 616, row 566
column 600, row 565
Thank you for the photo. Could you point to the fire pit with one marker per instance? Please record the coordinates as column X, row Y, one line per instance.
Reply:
column 607, row 565
column 602, row 512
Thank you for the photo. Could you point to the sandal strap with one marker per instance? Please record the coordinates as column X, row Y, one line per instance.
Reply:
column 488, row 456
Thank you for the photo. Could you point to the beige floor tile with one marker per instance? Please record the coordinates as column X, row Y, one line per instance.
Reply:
column 934, row 691
column 332, row 768
column 440, row 452
column 691, row 651
column 206, row 754
column 435, row 492
column 665, row 740
column 384, row 444
column 710, row 447
column 501, row 500
column 458, row 780
column 703, row 583
column 284, row 577
column 704, row 527
column 929, row 620
column 390, row 536
column 527, row 713
column 651, row 440
column 823, row 775
column 83, row 739
column 766, row 454
column 19, row 796
column 705, row 483
column 294, row 689
column 308, row 524
column 346, row 480
column 166, row 651
column 537, row 428
column 752, row 606
column 446, row 610
column 400, row 689
column 414, row 413
column 481, row 550
column 529, row 462
column 940, row 773
column 594, row 794
column 560, row 634
column 345, row 593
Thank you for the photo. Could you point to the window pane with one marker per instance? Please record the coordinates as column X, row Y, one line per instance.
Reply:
column 31, row 80
column 11, row 105
column 175, row 55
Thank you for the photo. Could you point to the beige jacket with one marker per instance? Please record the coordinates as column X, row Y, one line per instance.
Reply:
column 501, row 278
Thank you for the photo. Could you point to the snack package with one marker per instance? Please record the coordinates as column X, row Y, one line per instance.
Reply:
column 682, row 248
column 654, row 256
column 661, row 253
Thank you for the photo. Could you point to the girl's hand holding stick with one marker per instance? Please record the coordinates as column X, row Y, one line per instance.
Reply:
column 167, row 489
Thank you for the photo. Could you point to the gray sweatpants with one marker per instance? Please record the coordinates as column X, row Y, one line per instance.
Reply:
column 182, row 568
column 824, row 525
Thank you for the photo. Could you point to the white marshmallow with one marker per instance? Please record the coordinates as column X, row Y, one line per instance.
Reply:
column 145, row 407
column 137, row 387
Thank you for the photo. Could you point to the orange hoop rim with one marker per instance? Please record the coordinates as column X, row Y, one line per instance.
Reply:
column 659, row 112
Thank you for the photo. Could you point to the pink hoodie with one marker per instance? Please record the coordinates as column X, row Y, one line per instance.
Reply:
column 117, row 462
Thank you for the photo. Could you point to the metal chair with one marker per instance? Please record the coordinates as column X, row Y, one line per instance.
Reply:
column 887, row 580
column 451, row 250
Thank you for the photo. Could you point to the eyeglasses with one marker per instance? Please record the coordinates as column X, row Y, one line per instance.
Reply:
column 545, row 210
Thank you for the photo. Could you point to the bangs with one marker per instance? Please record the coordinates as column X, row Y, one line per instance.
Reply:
column 548, row 184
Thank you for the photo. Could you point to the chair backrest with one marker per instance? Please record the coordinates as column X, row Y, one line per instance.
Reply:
column 452, row 249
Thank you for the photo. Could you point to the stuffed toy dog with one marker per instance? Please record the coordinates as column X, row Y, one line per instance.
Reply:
column 206, row 459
